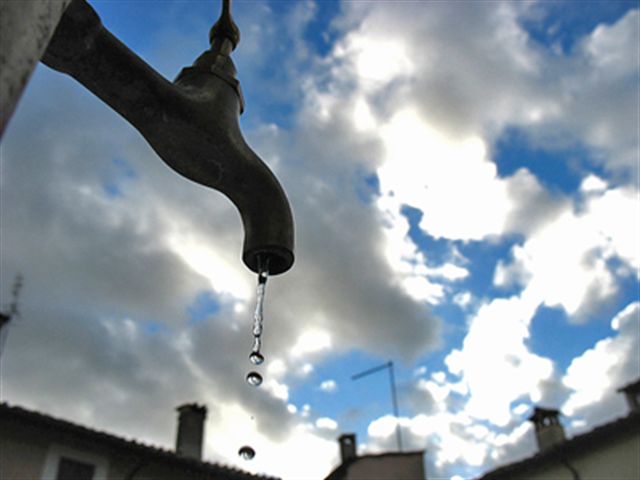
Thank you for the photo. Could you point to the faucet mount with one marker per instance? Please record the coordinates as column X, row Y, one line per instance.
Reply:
column 192, row 123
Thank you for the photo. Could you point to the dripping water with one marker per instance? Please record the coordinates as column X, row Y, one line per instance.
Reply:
column 255, row 357
column 258, row 317
column 246, row 452
column 254, row 379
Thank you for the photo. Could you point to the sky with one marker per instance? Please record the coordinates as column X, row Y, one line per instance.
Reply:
column 464, row 182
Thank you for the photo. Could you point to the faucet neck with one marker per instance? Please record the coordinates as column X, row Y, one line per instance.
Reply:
column 216, row 64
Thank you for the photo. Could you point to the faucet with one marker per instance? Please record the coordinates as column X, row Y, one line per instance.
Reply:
column 192, row 123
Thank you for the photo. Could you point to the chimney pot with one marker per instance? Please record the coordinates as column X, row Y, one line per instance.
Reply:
column 191, row 419
column 632, row 394
column 549, row 431
column 347, row 446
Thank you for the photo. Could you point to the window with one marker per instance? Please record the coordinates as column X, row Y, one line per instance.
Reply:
column 69, row 469
column 67, row 463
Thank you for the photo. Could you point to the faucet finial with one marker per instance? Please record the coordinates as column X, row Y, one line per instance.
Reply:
column 225, row 28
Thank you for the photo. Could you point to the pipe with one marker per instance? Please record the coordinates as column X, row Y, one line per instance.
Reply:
column 25, row 30
column 571, row 468
column 192, row 124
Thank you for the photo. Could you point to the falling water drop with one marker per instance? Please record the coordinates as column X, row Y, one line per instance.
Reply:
column 246, row 452
column 254, row 379
column 256, row 357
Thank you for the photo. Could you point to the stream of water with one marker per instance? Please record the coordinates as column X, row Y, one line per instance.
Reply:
column 256, row 357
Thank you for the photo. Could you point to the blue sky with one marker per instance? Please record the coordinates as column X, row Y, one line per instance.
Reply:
column 464, row 178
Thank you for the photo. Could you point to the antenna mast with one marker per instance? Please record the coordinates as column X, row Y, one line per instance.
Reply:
column 394, row 396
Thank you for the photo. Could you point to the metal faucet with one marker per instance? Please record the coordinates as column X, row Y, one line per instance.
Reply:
column 192, row 123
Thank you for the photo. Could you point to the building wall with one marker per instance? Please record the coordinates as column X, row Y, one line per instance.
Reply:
column 617, row 460
column 387, row 467
column 620, row 460
column 22, row 453
column 30, row 453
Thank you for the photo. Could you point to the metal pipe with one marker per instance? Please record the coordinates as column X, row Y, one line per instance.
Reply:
column 26, row 27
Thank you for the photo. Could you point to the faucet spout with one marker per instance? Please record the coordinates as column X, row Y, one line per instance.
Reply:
column 192, row 123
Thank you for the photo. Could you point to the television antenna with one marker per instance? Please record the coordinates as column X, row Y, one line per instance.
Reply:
column 394, row 396
column 13, row 312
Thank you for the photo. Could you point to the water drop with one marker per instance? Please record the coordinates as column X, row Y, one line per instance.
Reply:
column 256, row 358
column 254, row 379
column 246, row 452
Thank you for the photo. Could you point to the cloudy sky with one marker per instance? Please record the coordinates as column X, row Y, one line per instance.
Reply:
column 464, row 180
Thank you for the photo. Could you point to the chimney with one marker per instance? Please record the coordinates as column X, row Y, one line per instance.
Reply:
column 549, row 432
column 632, row 394
column 190, row 430
column 347, row 446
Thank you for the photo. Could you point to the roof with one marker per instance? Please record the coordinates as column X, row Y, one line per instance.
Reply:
column 29, row 418
column 631, row 387
column 576, row 445
column 341, row 471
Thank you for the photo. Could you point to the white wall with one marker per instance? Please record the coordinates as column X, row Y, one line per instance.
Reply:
column 619, row 459
column 407, row 466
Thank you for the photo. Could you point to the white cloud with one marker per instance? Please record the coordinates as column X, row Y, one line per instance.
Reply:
column 453, row 440
column 329, row 386
column 383, row 426
column 620, row 233
column 420, row 371
column 438, row 391
column 237, row 428
column 564, row 262
column 495, row 362
column 449, row 271
column 520, row 409
column 277, row 389
column 608, row 46
column 203, row 258
column 613, row 362
column 326, row 423
column 514, row 273
column 463, row 299
column 599, row 104
column 276, row 368
column 376, row 61
column 407, row 262
column 305, row 369
column 593, row 183
column 311, row 341
column 422, row 169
